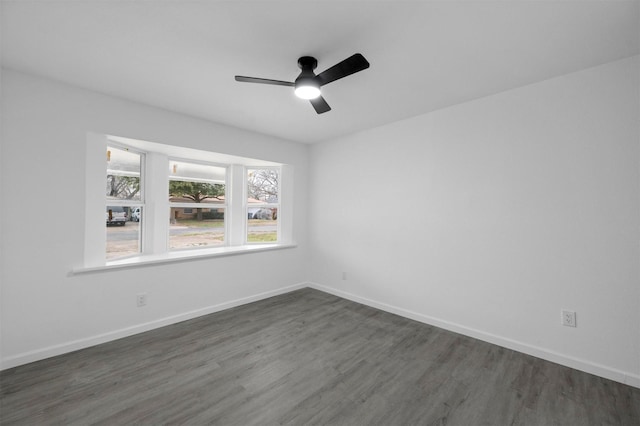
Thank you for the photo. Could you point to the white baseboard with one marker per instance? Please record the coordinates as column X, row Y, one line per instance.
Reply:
column 55, row 350
column 558, row 358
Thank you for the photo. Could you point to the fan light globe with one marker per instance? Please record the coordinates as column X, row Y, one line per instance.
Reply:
column 307, row 92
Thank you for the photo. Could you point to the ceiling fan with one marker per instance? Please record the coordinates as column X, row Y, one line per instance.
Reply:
column 307, row 85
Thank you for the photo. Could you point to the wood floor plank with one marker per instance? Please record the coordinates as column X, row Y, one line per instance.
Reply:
column 307, row 357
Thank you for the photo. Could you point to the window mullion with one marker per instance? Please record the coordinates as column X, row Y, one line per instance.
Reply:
column 156, row 224
column 237, row 200
column 285, row 214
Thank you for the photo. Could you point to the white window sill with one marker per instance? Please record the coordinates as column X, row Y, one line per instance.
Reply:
column 181, row 256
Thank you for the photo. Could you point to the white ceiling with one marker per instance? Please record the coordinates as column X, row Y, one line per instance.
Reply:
column 424, row 55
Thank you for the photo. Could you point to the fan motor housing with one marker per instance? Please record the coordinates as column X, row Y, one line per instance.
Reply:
column 307, row 63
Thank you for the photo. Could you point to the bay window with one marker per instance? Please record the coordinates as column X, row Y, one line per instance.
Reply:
column 164, row 202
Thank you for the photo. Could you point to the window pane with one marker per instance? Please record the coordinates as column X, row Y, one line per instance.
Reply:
column 262, row 185
column 123, row 174
column 196, row 183
column 123, row 231
column 196, row 227
column 262, row 224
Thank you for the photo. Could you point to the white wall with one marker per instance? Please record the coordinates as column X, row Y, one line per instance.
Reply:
column 490, row 217
column 44, row 310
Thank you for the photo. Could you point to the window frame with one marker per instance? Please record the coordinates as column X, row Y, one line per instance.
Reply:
column 261, row 205
column 154, row 227
column 194, row 205
column 132, row 204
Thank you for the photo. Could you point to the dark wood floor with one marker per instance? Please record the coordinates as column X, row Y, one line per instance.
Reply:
column 307, row 358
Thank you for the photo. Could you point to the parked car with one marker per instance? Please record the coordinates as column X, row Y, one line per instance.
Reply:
column 135, row 215
column 116, row 215
column 251, row 212
column 264, row 214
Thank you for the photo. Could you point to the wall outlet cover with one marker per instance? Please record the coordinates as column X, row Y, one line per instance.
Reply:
column 568, row 318
column 141, row 299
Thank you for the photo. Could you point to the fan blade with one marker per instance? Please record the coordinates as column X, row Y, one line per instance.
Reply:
column 320, row 105
column 263, row 81
column 349, row 66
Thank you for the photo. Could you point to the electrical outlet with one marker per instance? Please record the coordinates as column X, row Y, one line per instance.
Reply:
column 141, row 299
column 568, row 318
